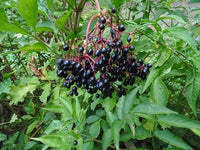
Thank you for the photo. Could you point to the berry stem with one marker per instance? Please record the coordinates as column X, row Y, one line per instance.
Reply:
column 98, row 7
column 87, row 31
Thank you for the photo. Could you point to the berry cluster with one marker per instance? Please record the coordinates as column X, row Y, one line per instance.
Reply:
column 105, row 64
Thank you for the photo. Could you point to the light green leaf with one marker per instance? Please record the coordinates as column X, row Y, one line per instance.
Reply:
column 120, row 109
column 88, row 145
column 32, row 126
column 178, row 121
column 94, row 129
column 164, row 56
column 19, row 92
column 67, row 105
column 3, row 137
column 159, row 92
column 46, row 26
column 37, row 47
column 115, row 130
column 171, row 139
column 181, row 33
column 108, row 103
column 77, row 107
column 152, row 109
column 3, row 16
column 192, row 88
column 5, row 86
column 50, row 5
column 106, row 139
column 57, row 140
column 153, row 74
column 195, row 131
column 6, row 26
column 173, row 17
column 28, row 10
column 62, row 20
column 54, row 125
column 57, row 108
column 46, row 92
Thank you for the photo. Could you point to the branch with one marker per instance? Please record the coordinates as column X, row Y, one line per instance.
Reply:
column 98, row 7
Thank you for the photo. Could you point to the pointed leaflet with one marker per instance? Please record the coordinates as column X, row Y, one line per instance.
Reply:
column 46, row 92
column 115, row 130
column 192, row 88
column 153, row 74
column 170, row 138
column 152, row 109
column 159, row 92
column 106, row 139
column 164, row 56
column 6, row 26
column 67, row 105
column 173, row 17
column 95, row 129
column 57, row 140
column 28, row 10
column 178, row 121
column 181, row 33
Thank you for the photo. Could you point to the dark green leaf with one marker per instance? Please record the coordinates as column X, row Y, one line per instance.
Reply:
column 141, row 133
column 54, row 125
column 67, row 105
column 88, row 145
column 165, row 55
column 5, row 86
column 152, row 109
column 3, row 137
column 62, row 20
column 159, row 92
column 28, row 10
column 170, row 138
column 92, row 119
column 106, row 139
column 32, row 126
column 178, row 121
column 192, row 88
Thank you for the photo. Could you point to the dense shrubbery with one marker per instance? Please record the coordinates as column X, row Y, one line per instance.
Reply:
column 160, row 112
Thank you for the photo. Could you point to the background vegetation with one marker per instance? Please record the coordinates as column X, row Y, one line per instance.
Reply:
column 36, row 112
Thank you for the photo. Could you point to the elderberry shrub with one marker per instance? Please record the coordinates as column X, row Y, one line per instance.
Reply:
column 106, row 65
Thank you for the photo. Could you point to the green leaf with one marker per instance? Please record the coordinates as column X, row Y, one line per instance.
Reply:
column 165, row 55
column 178, row 121
column 92, row 118
column 5, row 86
column 182, row 33
column 62, row 20
column 77, row 107
column 88, row 145
column 32, row 126
column 193, row 1
column 19, row 92
column 192, row 88
column 28, row 10
column 141, row 133
column 54, row 125
column 37, row 47
column 50, row 5
column 106, row 139
column 3, row 137
column 46, row 26
column 130, row 99
column 152, row 109
column 94, row 129
column 6, row 26
column 108, row 103
column 173, row 17
column 171, row 139
column 57, row 140
column 159, row 92
column 120, row 108
column 67, row 105
column 57, row 108
column 46, row 92
column 115, row 130
column 195, row 131
column 153, row 74
column 3, row 16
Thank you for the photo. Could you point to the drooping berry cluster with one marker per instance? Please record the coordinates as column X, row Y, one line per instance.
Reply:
column 106, row 64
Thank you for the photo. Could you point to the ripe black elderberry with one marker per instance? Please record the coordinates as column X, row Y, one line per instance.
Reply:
column 105, row 64
column 113, row 10
column 65, row 47
column 75, row 142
